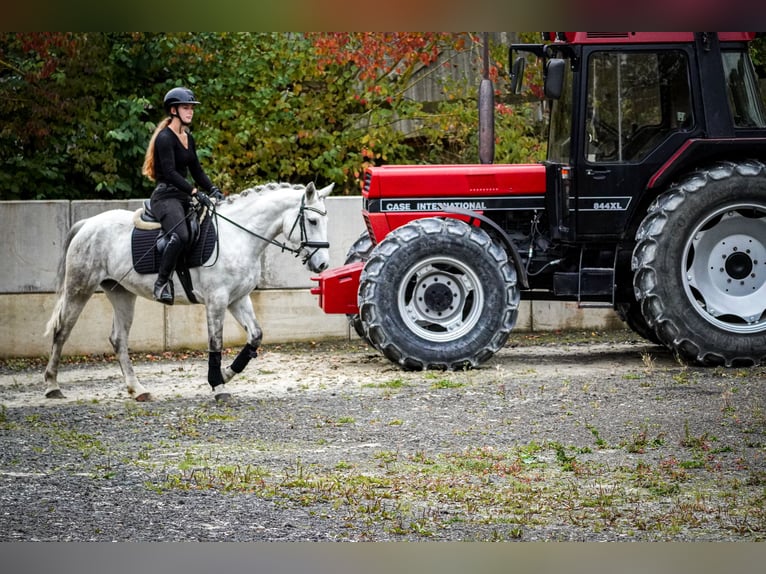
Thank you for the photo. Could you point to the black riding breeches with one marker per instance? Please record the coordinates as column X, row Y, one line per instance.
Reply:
column 171, row 211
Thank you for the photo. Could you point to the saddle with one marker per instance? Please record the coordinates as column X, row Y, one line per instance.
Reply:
column 148, row 242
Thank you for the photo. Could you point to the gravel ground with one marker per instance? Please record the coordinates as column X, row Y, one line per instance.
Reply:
column 569, row 436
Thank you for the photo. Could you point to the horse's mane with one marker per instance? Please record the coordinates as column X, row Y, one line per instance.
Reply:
column 265, row 188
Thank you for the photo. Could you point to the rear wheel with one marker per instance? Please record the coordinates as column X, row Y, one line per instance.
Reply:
column 631, row 315
column 438, row 293
column 700, row 265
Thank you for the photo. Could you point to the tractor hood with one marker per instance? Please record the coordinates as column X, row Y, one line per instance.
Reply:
column 464, row 183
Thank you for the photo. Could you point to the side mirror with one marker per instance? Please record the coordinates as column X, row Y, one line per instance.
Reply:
column 517, row 74
column 554, row 78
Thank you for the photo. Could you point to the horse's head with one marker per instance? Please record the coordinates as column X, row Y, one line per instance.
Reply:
column 308, row 227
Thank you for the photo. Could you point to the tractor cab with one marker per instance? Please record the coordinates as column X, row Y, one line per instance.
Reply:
column 628, row 110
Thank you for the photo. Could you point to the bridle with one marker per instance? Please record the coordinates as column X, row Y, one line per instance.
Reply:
column 300, row 222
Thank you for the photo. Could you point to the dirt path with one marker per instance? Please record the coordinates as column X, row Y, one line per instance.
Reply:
column 280, row 369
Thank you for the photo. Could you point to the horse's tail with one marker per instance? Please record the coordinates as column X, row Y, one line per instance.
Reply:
column 55, row 321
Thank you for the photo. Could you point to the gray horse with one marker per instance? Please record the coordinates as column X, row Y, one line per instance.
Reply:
column 97, row 254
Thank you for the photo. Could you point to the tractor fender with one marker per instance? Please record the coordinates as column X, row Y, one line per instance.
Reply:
column 487, row 224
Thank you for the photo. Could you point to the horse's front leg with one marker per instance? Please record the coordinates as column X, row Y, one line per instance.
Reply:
column 215, row 315
column 242, row 311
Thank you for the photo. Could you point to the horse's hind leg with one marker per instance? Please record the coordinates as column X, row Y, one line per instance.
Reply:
column 242, row 311
column 65, row 315
column 124, row 305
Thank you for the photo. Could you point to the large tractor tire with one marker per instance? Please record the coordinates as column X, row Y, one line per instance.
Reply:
column 359, row 251
column 631, row 315
column 700, row 265
column 438, row 294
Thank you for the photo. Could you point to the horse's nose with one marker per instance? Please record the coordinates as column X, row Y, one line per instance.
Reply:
column 321, row 267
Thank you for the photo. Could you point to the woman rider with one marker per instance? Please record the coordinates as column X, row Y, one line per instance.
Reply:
column 171, row 155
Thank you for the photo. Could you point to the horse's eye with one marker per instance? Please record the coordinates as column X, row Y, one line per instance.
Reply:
column 313, row 222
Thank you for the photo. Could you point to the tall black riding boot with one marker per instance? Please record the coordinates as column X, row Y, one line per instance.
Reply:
column 163, row 287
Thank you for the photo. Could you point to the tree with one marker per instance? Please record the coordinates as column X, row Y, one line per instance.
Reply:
column 77, row 109
column 50, row 82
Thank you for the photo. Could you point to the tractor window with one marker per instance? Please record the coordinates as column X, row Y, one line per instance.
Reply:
column 560, row 129
column 744, row 96
column 635, row 100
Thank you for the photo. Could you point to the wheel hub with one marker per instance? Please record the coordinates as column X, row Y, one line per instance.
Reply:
column 738, row 265
column 726, row 260
column 441, row 298
column 438, row 297
column 733, row 263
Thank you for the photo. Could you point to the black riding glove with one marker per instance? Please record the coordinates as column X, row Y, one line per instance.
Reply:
column 204, row 200
column 215, row 193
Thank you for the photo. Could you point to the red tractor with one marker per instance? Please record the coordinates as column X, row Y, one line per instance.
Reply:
column 652, row 201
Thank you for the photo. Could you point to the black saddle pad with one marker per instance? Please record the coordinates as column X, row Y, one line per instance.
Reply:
column 146, row 258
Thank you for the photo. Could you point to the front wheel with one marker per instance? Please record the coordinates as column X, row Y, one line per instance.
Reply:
column 359, row 251
column 700, row 265
column 438, row 294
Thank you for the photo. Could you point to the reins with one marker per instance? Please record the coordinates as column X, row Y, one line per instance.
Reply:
column 300, row 221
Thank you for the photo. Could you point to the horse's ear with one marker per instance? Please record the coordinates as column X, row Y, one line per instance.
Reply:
column 310, row 191
column 327, row 190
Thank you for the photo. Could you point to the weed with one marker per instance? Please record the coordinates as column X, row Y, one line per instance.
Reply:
column 446, row 384
column 701, row 443
column 528, row 454
column 648, row 361
column 5, row 424
column 656, row 481
column 684, row 377
column 600, row 442
column 386, row 457
column 393, row 384
column 421, row 458
column 568, row 462
column 640, row 441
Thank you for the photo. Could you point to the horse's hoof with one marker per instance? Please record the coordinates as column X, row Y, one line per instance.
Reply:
column 144, row 397
column 220, row 394
column 54, row 394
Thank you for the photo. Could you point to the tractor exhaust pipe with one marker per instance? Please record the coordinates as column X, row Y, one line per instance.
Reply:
column 486, row 111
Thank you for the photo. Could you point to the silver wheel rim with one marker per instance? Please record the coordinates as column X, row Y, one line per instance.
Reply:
column 725, row 268
column 441, row 299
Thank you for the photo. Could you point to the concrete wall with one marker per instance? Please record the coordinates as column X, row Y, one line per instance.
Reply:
column 33, row 235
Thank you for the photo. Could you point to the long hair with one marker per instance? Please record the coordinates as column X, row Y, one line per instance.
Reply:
column 148, row 168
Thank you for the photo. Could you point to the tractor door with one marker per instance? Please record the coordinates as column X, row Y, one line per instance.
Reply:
column 636, row 112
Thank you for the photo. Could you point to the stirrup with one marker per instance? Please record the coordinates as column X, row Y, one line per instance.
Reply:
column 164, row 293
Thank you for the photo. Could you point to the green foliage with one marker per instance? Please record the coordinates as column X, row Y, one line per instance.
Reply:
column 77, row 109
column 758, row 54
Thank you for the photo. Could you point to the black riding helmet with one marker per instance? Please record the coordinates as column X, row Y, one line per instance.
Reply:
column 178, row 96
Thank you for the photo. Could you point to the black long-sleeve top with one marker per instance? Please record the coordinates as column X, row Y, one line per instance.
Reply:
column 172, row 163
